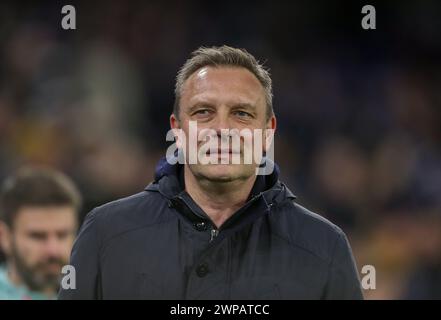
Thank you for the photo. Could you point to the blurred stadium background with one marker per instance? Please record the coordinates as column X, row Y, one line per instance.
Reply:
column 359, row 112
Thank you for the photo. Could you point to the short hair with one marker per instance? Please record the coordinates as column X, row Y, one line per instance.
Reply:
column 37, row 187
column 224, row 56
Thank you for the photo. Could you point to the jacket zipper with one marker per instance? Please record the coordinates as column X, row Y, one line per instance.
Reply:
column 214, row 233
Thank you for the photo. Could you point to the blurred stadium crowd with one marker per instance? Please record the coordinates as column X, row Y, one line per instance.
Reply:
column 359, row 112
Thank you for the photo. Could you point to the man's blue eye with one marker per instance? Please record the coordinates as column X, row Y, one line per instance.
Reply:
column 243, row 114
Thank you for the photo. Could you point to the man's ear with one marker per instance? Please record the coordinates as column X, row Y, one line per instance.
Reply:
column 272, row 123
column 174, row 122
column 177, row 130
column 5, row 238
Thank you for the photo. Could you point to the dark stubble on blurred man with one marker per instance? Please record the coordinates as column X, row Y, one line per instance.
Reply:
column 37, row 229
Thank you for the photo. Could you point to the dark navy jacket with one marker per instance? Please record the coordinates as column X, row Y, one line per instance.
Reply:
column 159, row 244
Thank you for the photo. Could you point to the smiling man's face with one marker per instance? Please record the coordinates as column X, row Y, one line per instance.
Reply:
column 223, row 98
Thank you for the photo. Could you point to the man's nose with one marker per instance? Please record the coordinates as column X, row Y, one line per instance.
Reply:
column 53, row 246
column 222, row 121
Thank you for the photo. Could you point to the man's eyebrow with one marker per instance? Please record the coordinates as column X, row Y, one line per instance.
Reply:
column 244, row 105
column 199, row 105
column 37, row 233
column 206, row 104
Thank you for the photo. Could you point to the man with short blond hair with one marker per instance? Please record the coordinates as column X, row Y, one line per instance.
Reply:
column 214, row 230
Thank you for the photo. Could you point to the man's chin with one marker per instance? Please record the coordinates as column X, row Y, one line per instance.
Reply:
column 43, row 282
column 44, row 278
column 222, row 173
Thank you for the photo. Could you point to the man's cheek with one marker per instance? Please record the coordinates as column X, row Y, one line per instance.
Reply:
column 32, row 251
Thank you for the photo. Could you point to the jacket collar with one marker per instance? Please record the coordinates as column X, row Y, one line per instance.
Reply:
column 169, row 182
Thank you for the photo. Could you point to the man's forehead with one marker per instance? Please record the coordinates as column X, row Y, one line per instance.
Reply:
column 51, row 215
column 201, row 73
column 222, row 73
column 222, row 79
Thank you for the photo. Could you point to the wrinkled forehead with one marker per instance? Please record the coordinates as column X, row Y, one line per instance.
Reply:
column 210, row 83
column 45, row 218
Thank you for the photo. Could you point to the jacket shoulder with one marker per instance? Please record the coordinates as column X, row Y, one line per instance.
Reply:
column 310, row 231
column 137, row 211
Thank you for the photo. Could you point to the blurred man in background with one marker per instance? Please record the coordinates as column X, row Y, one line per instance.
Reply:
column 38, row 223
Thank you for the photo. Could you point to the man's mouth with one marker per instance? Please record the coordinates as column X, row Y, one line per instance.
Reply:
column 51, row 267
column 223, row 152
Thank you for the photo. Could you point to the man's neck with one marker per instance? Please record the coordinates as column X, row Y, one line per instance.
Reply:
column 220, row 200
column 13, row 276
